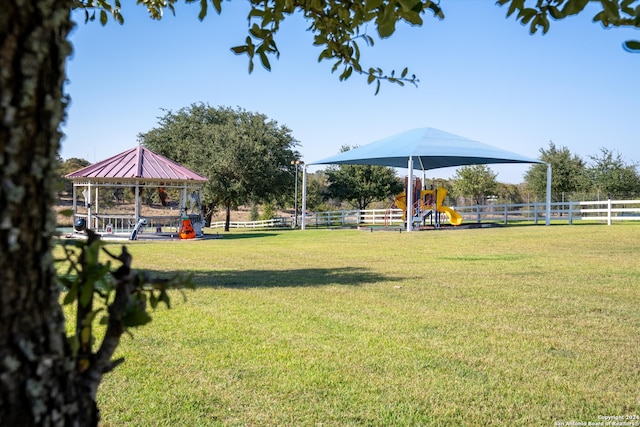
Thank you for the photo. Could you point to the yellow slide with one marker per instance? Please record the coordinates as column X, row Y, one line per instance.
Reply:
column 426, row 204
column 454, row 217
column 401, row 203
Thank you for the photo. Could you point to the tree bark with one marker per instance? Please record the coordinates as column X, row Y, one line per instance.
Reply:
column 227, row 220
column 38, row 379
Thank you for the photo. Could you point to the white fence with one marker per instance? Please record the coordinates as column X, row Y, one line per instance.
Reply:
column 599, row 211
column 604, row 210
column 269, row 223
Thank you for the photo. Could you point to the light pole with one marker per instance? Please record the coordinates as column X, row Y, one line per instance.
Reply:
column 296, row 163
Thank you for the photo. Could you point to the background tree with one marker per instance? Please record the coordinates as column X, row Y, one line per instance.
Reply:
column 360, row 185
column 67, row 166
column 509, row 193
column 40, row 383
column 568, row 173
column 475, row 181
column 245, row 156
column 612, row 177
column 317, row 184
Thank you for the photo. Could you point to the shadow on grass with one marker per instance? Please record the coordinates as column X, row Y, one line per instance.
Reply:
column 304, row 277
column 237, row 236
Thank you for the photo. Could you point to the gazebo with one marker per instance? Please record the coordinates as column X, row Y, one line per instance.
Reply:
column 136, row 169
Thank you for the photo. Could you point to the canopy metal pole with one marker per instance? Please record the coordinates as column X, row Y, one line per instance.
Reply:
column 304, row 196
column 548, row 212
column 409, row 213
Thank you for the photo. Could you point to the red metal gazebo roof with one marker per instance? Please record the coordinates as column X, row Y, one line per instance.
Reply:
column 137, row 163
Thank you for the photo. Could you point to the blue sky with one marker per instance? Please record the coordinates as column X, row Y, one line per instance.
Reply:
column 481, row 76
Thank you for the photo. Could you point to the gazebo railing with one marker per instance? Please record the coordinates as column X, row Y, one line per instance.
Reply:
column 118, row 223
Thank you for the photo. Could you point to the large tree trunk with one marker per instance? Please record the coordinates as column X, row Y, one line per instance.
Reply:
column 38, row 380
column 227, row 219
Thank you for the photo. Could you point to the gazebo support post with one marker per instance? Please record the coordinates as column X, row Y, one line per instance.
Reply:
column 97, row 211
column 409, row 208
column 137, row 204
column 89, row 201
column 183, row 202
column 75, row 203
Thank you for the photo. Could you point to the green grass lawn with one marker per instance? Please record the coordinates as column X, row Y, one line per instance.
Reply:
column 527, row 325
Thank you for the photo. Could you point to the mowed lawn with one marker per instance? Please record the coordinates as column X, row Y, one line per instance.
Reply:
column 519, row 326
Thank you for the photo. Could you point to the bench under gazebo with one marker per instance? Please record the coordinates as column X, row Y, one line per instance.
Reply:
column 136, row 170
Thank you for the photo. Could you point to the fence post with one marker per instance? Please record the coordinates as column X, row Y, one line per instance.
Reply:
column 506, row 215
column 535, row 213
column 478, row 213
column 570, row 213
column 609, row 211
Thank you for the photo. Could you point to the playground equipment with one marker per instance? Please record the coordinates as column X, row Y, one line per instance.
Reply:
column 423, row 206
column 137, row 229
column 186, row 230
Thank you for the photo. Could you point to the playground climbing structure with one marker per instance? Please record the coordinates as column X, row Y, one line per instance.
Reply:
column 424, row 208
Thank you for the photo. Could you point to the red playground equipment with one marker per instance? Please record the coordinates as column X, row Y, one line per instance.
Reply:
column 186, row 229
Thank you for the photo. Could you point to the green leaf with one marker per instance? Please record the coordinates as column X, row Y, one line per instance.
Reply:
column 526, row 15
column 239, row 49
column 545, row 24
column 573, row 7
column 86, row 293
column 610, row 9
column 555, row 12
column 74, row 344
column 203, row 9
column 346, row 73
column 258, row 32
column 602, row 17
column 407, row 5
column 264, row 60
column 71, row 296
column 632, row 46
column 386, row 22
column 515, row 5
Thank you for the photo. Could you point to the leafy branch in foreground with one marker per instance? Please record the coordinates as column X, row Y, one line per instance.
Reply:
column 111, row 291
column 619, row 13
column 336, row 27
